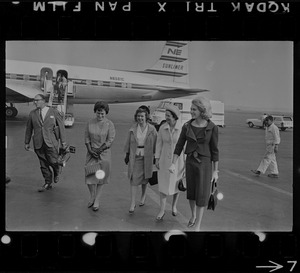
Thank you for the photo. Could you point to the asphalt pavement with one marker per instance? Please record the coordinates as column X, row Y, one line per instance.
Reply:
column 249, row 203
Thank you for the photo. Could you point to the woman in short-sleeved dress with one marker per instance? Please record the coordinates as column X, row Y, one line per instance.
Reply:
column 202, row 157
column 99, row 133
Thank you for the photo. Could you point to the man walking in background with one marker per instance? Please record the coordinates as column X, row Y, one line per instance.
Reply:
column 46, row 125
column 272, row 141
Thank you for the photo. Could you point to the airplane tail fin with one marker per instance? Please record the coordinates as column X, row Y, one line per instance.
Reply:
column 172, row 64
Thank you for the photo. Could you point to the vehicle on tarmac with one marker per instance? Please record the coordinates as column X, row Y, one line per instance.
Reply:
column 184, row 105
column 257, row 122
column 282, row 122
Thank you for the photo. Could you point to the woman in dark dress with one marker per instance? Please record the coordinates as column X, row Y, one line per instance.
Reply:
column 201, row 137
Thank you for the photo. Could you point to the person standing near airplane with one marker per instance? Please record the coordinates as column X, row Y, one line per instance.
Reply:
column 47, row 126
column 167, row 138
column 140, row 149
column 99, row 135
column 272, row 138
column 200, row 135
column 62, row 87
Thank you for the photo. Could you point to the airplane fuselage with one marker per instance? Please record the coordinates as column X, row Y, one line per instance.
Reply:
column 92, row 84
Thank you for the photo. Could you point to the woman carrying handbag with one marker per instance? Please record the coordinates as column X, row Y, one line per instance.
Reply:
column 99, row 135
column 200, row 135
column 168, row 135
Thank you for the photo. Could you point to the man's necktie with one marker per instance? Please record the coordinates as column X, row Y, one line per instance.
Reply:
column 41, row 115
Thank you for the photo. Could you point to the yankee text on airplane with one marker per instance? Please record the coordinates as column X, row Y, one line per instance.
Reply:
column 167, row 78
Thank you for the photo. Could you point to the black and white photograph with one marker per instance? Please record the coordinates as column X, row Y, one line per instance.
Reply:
column 149, row 136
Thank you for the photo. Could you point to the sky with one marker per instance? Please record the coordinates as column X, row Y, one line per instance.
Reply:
column 250, row 75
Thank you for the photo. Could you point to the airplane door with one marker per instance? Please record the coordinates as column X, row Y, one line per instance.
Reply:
column 46, row 75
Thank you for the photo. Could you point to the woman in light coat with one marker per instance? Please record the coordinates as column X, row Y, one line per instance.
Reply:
column 139, row 149
column 167, row 138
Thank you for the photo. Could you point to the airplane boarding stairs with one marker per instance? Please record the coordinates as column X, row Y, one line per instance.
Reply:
column 59, row 101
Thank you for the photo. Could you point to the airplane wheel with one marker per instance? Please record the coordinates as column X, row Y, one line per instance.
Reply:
column 11, row 112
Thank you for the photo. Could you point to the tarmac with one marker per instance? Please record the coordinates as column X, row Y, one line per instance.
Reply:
column 249, row 203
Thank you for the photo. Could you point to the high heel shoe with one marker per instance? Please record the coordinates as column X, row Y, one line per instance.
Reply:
column 132, row 210
column 160, row 218
column 142, row 203
column 90, row 204
column 191, row 224
column 95, row 208
column 174, row 213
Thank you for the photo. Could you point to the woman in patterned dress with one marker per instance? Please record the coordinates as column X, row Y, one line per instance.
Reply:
column 99, row 135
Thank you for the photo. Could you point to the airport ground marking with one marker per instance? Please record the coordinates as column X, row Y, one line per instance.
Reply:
column 258, row 183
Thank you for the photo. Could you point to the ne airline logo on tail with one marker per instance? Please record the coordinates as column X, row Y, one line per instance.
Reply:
column 172, row 62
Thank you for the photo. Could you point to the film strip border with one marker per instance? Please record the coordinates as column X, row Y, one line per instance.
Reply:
column 151, row 251
column 180, row 20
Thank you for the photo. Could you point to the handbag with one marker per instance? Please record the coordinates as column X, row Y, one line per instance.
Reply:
column 153, row 180
column 182, row 183
column 92, row 169
column 212, row 201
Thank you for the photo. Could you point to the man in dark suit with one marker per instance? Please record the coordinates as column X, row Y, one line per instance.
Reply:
column 47, row 126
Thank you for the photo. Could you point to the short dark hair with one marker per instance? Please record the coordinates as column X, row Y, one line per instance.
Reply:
column 269, row 118
column 141, row 110
column 101, row 105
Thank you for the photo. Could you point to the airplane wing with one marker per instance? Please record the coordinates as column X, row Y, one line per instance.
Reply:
column 19, row 93
column 187, row 91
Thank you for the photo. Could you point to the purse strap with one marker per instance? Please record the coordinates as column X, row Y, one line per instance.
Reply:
column 213, row 186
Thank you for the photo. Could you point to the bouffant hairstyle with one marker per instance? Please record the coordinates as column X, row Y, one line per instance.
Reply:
column 101, row 105
column 204, row 106
column 141, row 110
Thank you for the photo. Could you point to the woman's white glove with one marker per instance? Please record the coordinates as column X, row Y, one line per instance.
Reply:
column 215, row 176
column 157, row 163
column 172, row 168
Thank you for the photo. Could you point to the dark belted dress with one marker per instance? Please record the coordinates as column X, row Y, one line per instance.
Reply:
column 201, row 150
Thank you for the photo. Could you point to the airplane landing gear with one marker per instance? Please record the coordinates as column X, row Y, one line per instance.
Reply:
column 11, row 111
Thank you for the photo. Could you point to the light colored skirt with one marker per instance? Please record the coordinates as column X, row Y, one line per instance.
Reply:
column 138, row 176
column 167, row 183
